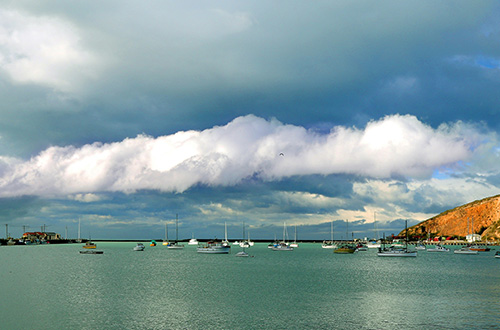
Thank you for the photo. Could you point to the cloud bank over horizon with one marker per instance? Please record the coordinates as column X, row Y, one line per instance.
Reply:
column 247, row 148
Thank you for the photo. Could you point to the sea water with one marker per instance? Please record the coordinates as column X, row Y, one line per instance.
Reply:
column 55, row 287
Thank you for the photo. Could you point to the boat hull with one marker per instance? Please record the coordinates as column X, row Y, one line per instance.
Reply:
column 91, row 252
column 213, row 250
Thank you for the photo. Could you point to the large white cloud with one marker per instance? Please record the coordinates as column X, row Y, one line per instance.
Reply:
column 394, row 146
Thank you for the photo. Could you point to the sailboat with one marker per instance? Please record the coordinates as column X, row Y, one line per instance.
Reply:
column 213, row 247
column 396, row 251
column 346, row 248
column 225, row 242
column 79, row 239
column 283, row 245
column 243, row 243
column 176, row 245
column 329, row 244
column 295, row 244
column 374, row 243
column 165, row 241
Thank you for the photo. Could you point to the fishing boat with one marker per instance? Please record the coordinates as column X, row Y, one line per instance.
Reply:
column 480, row 248
column 497, row 254
column 397, row 251
column 329, row 244
column 213, row 247
column 345, row 249
column 283, row 245
column 139, row 247
column 438, row 248
column 465, row 250
column 175, row 245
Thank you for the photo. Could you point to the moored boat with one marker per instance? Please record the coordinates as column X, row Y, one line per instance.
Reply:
column 420, row 247
column 345, row 249
column 497, row 254
column 91, row 252
column 361, row 247
column 213, row 247
column 438, row 248
column 465, row 250
column 175, row 245
column 139, row 247
column 480, row 248
column 89, row 245
column 282, row 246
column 329, row 244
column 373, row 244
column 396, row 251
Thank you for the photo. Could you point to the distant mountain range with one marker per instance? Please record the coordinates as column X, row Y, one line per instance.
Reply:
column 479, row 217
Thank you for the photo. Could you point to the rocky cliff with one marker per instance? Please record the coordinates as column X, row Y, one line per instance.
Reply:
column 483, row 216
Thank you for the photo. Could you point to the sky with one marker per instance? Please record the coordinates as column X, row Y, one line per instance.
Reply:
column 122, row 115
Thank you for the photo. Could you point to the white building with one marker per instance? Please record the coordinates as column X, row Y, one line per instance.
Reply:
column 473, row 238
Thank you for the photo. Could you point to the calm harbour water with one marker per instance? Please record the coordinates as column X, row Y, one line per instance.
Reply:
column 55, row 287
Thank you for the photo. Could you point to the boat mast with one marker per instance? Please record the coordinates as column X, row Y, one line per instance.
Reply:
column 176, row 228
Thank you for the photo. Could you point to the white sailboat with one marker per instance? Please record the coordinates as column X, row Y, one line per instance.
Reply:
column 329, row 244
column 225, row 242
column 243, row 243
column 295, row 244
column 283, row 245
column 165, row 241
column 375, row 243
column 176, row 245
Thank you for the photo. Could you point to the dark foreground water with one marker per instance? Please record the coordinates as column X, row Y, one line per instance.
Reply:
column 55, row 287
